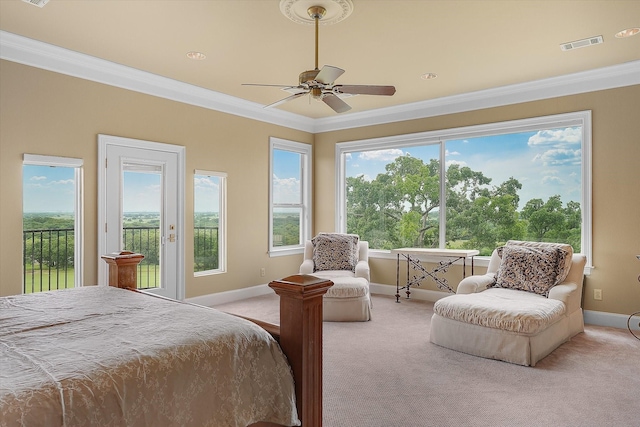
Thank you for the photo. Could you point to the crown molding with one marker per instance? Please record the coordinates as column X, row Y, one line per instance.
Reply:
column 34, row 53
column 626, row 74
column 42, row 55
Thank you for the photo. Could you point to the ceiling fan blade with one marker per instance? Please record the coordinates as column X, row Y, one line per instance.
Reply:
column 338, row 105
column 328, row 74
column 287, row 99
column 365, row 90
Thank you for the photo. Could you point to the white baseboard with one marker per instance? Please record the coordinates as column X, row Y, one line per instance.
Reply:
column 598, row 318
column 613, row 320
column 211, row 300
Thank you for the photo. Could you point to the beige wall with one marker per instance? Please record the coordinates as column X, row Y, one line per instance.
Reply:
column 48, row 113
column 52, row 114
column 616, row 185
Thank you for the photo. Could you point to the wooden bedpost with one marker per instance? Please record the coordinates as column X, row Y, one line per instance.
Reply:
column 123, row 269
column 301, row 340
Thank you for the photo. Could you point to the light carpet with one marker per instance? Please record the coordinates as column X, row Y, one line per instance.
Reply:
column 386, row 373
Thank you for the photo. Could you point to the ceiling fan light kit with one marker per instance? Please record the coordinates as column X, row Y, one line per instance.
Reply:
column 319, row 83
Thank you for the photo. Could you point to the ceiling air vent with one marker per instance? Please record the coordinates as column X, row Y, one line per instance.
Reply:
column 582, row 43
column 39, row 3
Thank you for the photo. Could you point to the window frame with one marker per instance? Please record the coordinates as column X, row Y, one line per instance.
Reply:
column 222, row 222
column 579, row 118
column 305, row 150
column 78, row 223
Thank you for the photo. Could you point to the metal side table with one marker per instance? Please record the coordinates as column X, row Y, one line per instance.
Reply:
column 450, row 256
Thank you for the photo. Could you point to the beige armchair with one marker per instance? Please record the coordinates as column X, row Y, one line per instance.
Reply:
column 349, row 299
column 518, row 323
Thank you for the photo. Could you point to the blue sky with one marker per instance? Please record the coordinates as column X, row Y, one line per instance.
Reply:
column 48, row 189
column 51, row 189
column 286, row 176
column 142, row 192
column 206, row 193
column 544, row 162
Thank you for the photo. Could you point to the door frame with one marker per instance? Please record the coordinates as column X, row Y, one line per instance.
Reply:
column 108, row 140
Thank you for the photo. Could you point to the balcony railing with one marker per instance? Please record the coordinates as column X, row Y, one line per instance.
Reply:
column 48, row 256
column 47, row 261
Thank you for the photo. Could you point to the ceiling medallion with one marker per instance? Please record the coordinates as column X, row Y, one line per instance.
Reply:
column 296, row 10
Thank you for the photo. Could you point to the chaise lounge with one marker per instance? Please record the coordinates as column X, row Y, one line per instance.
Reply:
column 525, row 306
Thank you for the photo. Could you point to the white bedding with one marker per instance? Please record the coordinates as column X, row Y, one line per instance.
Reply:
column 110, row 357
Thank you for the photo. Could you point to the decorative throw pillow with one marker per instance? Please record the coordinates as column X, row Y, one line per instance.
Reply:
column 531, row 269
column 335, row 251
column 565, row 264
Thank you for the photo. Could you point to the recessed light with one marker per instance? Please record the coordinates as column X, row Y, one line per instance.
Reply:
column 627, row 33
column 197, row 56
column 428, row 76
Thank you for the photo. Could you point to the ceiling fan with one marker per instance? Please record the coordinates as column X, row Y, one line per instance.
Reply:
column 320, row 82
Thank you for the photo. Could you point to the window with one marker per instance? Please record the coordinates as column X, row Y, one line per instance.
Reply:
column 289, row 196
column 526, row 179
column 52, row 223
column 209, row 222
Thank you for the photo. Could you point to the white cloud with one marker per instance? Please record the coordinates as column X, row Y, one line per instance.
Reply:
column 37, row 178
column 63, row 182
column 552, row 137
column 381, row 155
column 551, row 180
column 559, row 156
column 452, row 153
column 455, row 162
column 205, row 183
column 286, row 190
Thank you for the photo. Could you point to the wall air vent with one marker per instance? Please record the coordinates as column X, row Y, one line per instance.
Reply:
column 39, row 3
column 582, row 43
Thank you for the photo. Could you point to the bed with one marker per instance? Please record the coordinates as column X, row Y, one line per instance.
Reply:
column 103, row 355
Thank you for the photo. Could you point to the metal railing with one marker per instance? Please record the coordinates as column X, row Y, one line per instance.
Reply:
column 205, row 241
column 145, row 241
column 48, row 256
column 47, row 260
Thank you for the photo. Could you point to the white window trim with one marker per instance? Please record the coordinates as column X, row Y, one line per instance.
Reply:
column 580, row 118
column 305, row 186
column 222, row 224
column 78, row 223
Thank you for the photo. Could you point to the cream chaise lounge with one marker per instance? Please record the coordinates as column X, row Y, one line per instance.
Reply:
column 343, row 259
column 525, row 306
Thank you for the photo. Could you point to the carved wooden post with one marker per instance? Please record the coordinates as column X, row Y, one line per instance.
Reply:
column 123, row 269
column 301, row 339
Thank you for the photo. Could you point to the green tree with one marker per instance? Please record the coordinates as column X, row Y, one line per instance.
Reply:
column 400, row 207
column 544, row 219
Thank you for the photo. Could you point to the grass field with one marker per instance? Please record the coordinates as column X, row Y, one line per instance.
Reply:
column 49, row 280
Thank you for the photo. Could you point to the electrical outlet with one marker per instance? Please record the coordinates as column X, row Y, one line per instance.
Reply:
column 263, row 272
column 597, row 294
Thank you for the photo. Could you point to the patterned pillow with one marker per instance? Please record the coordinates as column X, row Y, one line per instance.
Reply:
column 531, row 269
column 566, row 262
column 333, row 251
